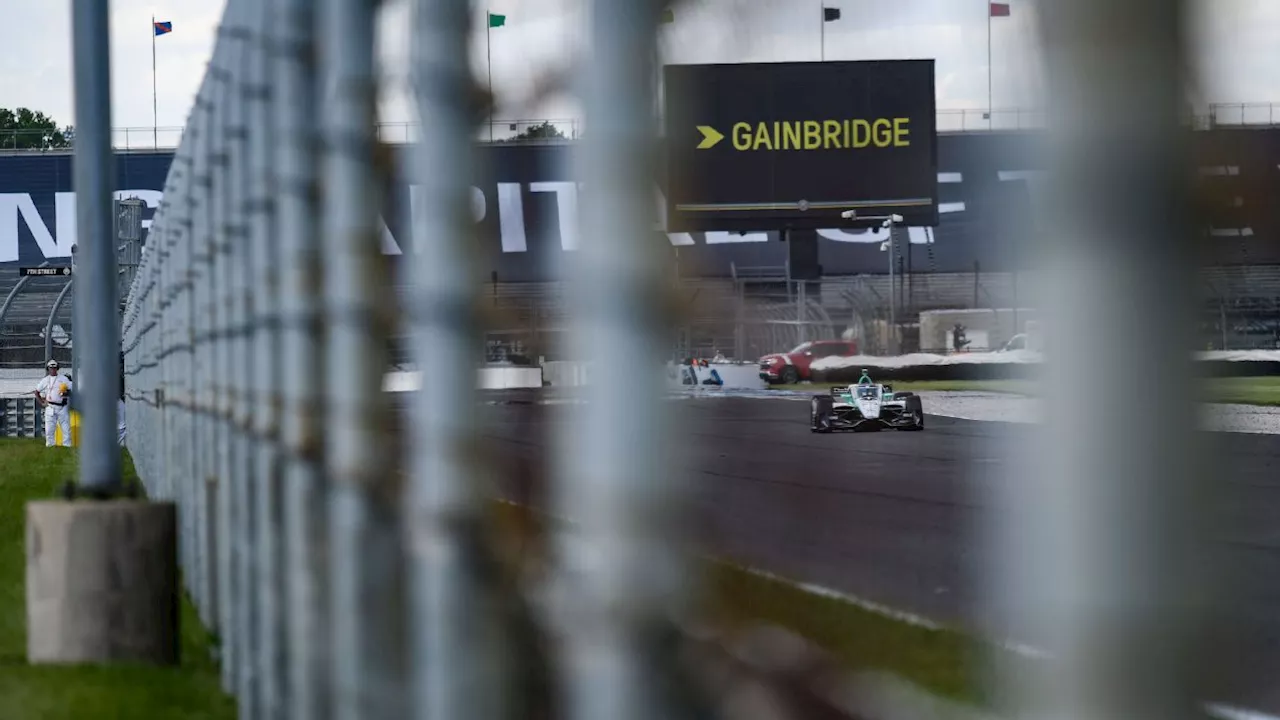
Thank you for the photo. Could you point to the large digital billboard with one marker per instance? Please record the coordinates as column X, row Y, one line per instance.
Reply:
column 770, row 146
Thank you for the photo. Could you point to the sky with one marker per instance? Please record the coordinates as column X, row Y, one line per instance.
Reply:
column 1236, row 40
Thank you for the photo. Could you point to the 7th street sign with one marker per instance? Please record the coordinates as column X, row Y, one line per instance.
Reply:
column 794, row 145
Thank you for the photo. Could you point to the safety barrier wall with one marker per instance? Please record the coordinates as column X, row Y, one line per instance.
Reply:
column 1204, row 367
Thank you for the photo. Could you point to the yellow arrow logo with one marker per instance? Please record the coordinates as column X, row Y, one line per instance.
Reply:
column 710, row 136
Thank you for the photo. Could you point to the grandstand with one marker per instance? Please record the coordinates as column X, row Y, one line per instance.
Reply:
column 22, row 327
column 745, row 317
column 36, row 313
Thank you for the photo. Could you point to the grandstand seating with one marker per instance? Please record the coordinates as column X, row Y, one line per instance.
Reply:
column 530, row 316
column 1241, row 306
column 21, row 330
column 709, row 315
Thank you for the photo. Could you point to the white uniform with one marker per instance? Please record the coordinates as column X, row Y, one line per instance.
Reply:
column 55, row 389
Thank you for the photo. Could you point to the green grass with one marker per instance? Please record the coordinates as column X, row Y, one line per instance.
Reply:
column 945, row 662
column 940, row 661
column 191, row 691
column 1015, row 387
column 1247, row 391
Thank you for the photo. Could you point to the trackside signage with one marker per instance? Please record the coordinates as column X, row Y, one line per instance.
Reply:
column 526, row 204
column 771, row 146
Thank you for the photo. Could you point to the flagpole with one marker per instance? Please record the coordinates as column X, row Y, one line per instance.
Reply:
column 155, row 104
column 991, row 113
column 488, row 49
column 822, row 27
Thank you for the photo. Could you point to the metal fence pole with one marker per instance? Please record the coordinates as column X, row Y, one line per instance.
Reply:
column 223, row 325
column 185, row 348
column 267, row 370
column 95, row 306
column 621, row 572
column 456, row 660
column 164, row 369
column 1105, row 552
column 241, row 474
column 202, row 353
column 306, row 490
column 154, row 329
column 178, row 396
column 364, row 537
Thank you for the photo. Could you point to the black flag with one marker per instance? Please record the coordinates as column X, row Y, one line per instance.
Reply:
column 830, row 14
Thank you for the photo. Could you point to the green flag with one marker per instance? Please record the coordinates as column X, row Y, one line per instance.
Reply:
column 497, row 20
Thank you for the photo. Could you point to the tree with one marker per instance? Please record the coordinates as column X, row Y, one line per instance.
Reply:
column 544, row 131
column 29, row 129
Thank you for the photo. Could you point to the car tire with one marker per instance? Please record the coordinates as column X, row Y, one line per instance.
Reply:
column 820, row 407
column 916, row 409
column 789, row 376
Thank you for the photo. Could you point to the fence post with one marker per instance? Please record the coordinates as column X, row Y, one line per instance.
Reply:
column 367, row 563
column 457, row 657
column 1104, row 553
column 220, row 391
column 306, row 490
column 621, row 572
column 98, row 326
column 241, row 474
column 202, row 352
column 263, row 405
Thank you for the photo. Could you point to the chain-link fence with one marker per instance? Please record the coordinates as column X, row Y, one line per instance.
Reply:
column 341, row 540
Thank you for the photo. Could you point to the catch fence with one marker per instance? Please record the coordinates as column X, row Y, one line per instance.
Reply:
column 336, row 537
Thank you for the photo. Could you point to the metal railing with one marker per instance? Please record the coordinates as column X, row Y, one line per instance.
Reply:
column 335, row 536
column 21, row 417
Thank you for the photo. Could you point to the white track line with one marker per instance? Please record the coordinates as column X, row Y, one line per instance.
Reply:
column 1226, row 712
column 1218, row 710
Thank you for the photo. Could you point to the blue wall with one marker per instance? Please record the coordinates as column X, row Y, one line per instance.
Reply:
column 984, row 193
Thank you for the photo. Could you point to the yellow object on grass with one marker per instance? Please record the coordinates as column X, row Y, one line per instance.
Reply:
column 75, row 431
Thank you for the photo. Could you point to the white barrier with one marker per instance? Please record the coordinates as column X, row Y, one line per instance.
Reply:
column 509, row 378
column 930, row 359
column 487, row 378
column 565, row 373
column 733, row 375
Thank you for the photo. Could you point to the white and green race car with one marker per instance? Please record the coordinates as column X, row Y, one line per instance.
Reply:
column 865, row 406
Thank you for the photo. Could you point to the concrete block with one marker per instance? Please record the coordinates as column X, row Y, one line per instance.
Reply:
column 102, row 582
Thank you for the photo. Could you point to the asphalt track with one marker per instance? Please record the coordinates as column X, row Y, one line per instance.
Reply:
column 894, row 517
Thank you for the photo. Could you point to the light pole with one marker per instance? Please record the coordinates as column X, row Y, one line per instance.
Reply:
column 889, row 222
column 75, row 347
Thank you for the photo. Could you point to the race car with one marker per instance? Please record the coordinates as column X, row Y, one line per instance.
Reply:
column 865, row 406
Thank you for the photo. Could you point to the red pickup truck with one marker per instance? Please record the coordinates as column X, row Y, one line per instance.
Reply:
column 792, row 367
